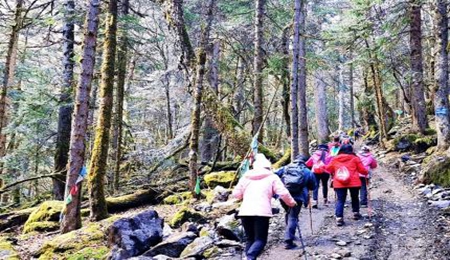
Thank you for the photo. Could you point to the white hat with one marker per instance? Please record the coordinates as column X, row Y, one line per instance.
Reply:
column 261, row 162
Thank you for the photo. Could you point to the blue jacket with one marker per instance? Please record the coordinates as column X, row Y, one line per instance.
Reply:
column 310, row 183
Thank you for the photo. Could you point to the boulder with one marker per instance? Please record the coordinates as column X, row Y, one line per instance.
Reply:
column 224, row 179
column 219, row 194
column 442, row 204
column 178, row 198
column 230, row 228
column 436, row 170
column 134, row 235
column 198, row 247
column 45, row 217
column 184, row 215
column 7, row 251
column 173, row 246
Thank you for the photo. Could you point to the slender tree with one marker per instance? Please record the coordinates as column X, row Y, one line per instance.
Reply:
column 341, row 99
column 258, row 98
column 303, row 142
column 441, row 103
column 72, row 218
column 295, row 80
column 98, row 167
column 65, row 111
column 285, row 39
column 320, row 101
column 417, row 96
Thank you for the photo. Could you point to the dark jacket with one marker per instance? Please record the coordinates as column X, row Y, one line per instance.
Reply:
column 310, row 183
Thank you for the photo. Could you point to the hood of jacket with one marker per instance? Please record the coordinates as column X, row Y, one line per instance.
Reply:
column 258, row 174
column 343, row 157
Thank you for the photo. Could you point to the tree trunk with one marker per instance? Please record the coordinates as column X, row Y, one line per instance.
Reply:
column 65, row 111
column 99, row 158
column 122, row 60
column 341, row 100
column 258, row 99
column 352, row 103
column 195, row 121
column 8, row 78
column 72, row 218
column 417, row 97
column 303, row 142
column 285, row 38
column 295, row 79
column 320, row 100
column 239, row 95
column 441, row 103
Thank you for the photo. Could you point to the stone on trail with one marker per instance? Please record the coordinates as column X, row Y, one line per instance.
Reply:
column 341, row 243
column 442, row 204
column 335, row 256
column 229, row 228
column 173, row 246
column 134, row 235
column 198, row 247
column 368, row 225
column 345, row 252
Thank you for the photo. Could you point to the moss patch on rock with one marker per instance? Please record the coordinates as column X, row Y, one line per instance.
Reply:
column 437, row 170
column 45, row 217
column 7, row 251
column 184, row 215
column 224, row 179
column 178, row 198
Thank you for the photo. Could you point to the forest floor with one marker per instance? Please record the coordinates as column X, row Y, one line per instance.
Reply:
column 401, row 226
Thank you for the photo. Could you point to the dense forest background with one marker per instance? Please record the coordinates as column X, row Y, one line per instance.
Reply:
column 133, row 89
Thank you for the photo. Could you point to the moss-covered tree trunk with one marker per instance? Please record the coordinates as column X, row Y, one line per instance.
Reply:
column 72, row 218
column 198, row 91
column 294, row 85
column 122, row 60
column 65, row 111
column 258, row 98
column 303, row 143
column 285, row 39
column 441, row 103
column 98, row 166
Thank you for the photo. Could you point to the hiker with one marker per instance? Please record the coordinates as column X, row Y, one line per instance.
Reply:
column 345, row 169
column 368, row 160
column 256, row 188
column 334, row 146
column 297, row 170
column 346, row 139
column 316, row 163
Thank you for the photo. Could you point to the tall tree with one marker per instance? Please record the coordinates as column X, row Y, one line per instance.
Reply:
column 122, row 60
column 441, row 103
column 285, row 39
column 303, row 142
column 419, row 116
column 198, row 92
column 65, row 111
column 320, row 101
column 341, row 99
column 98, row 166
column 258, row 98
column 295, row 78
column 351, row 90
column 72, row 218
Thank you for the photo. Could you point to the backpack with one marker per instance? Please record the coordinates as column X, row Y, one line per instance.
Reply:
column 335, row 150
column 294, row 178
column 318, row 167
column 342, row 175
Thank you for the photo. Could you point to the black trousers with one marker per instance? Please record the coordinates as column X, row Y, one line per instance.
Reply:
column 256, row 231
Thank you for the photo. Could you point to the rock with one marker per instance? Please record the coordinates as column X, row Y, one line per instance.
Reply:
column 228, row 243
column 229, row 228
column 368, row 236
column 341, row 243
column 173, row 246
column 183, row 215
column 219, row 194
column 357, row 242
column 436, row 169
column 134, row 235
column 368, row 225
column 345, row 252
column 178, row 198
column 198, row 247
column 7, row 250
column 442, row 204
column 224, row 179
column 45, row 217
column 203, row 207
column 189, row 227
column 361, row 231
column 335, row 256
column 167, row 230
column 421, row 185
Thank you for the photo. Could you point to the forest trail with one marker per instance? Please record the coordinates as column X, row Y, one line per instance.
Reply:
column 402, row 226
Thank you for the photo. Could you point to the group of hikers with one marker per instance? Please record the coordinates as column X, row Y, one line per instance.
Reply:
column 292, row 184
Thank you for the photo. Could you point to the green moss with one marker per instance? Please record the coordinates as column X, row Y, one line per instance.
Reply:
column 7, row 251
column 184, row 215
column 90, row 253
column 211, row 252
column 437, row 170
column 85, row 212
column 209, row 194
column 224, row 179
column 430, row 131
column 409, row 137
column 431, row 150
column 284, row 160
column 426, row 140
column 204, row 232
column 45, row 217
column 178, row 198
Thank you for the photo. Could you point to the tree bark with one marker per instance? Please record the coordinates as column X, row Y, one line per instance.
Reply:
column 198, row 91
column 122, row 61
column 352, row 103
column 99, row 158
column 321, row 108
column 341, row 99
column 65, row 111
column 303, row 142
column 72, row 218
column 441, row 102
column 285, row 38
column 417, row 97
column 295, row 79
column 258, row 98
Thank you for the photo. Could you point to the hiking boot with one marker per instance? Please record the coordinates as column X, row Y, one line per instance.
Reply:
column 315, row 204
column 339, row 222
column 357, row 216
column 289, row 245
column 363, row 206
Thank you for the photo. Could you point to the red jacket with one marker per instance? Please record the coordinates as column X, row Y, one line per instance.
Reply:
column 353, row 164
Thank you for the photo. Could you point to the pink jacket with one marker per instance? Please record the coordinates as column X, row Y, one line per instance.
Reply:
column 368, row 161
column 257, row 188
column 314, row 159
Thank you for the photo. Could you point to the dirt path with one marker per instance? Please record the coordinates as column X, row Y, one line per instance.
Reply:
column 402, row 227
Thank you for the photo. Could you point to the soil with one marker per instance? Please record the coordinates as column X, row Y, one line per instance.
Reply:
column 398, row 225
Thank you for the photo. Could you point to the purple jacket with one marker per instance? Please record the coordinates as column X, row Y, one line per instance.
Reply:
column 315, row 158
column 368, row 161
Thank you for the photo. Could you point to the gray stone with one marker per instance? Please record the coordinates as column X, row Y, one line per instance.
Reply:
column 220, row 194
column 345, row 252
column 229, row 228
column 173, row 246
column 335, row 256
column 368, row 225
column 189, row 227
column 227, row 243
column 442, row 204
column 341, row 243
column 197, row 247
column 134, row 235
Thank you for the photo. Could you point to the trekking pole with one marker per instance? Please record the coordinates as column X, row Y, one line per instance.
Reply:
column 301, row 239
column 310, row 213
column 369, row 204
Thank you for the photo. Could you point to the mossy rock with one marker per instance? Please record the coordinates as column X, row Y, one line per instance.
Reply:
column 284, row 160
column 224, row 179
column 45, row 217
column 184, row 215
column 211, row 252
column 436, row 170
column 178, row 198
column 86, row 243
column 430, row 131
column 414, row 142
column 7, row 250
